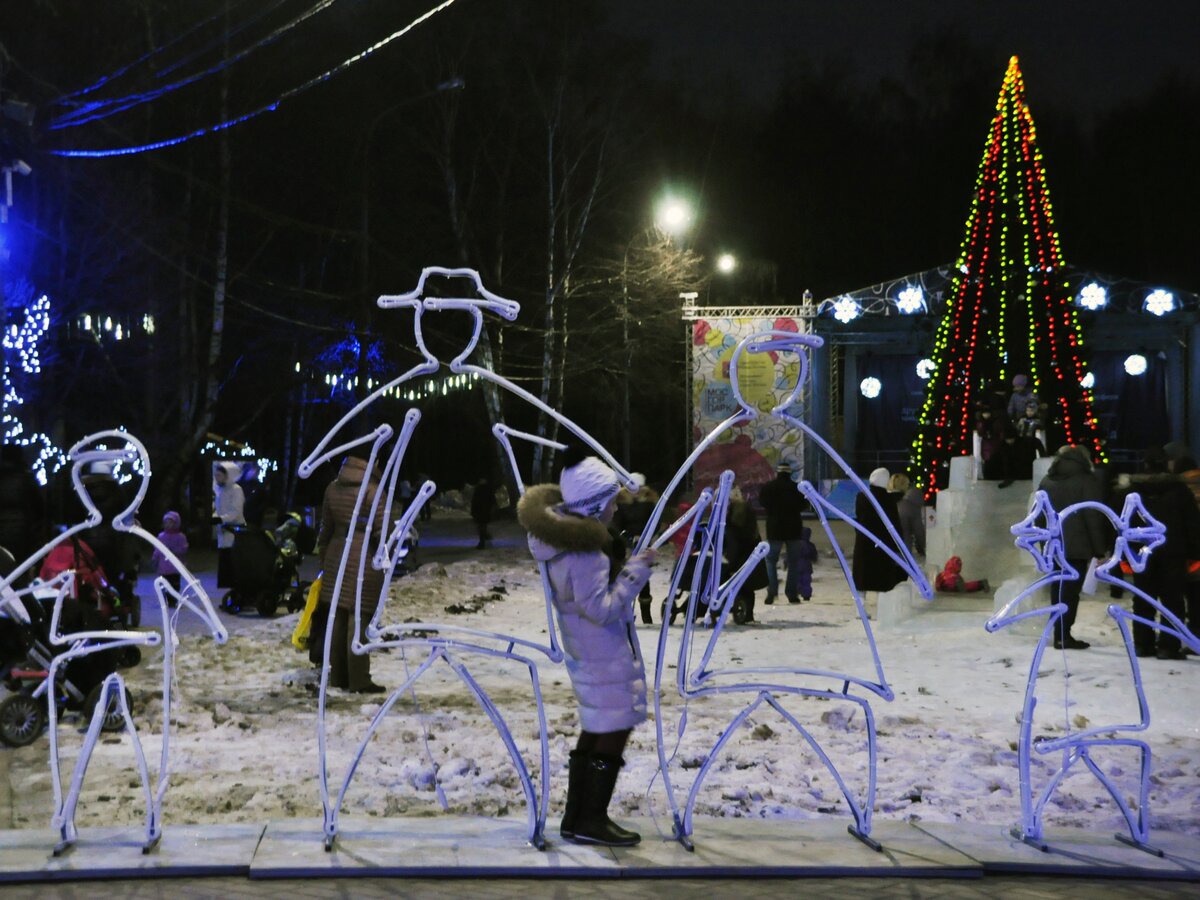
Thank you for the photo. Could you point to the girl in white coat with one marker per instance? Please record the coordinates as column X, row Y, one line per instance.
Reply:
column 593, row 601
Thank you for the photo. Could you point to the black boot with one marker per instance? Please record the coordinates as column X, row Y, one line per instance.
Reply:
column 592, row 824
column 645, row 605
column 575, row 769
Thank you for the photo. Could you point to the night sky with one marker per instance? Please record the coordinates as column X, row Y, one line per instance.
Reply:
column 1090, row 55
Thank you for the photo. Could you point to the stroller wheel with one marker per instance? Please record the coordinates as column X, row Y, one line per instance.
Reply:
column 113, row 720
column 267, row 603
column 230, row 604
column 130, row 657
column 22, row 719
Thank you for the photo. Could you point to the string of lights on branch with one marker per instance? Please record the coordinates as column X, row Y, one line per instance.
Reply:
column 23, row 360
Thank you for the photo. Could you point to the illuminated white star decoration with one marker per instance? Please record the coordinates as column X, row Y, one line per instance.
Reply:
column 925, row 369
column 1159, row 302
column 1093, row 296
column 870, row 387
column 1135, row 364
column 1088, row 381
column 911, row 299
column 20, row 344
column 846, row 309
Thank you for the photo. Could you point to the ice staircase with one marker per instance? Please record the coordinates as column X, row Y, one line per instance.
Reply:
column 972, row 522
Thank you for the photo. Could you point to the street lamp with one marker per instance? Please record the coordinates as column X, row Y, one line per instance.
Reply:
column 673, row 216
column 726, row 263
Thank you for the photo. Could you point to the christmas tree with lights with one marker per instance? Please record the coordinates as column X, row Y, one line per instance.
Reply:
column 1009, row 308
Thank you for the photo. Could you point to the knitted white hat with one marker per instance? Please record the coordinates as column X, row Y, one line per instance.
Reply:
column 879, row 478
column 588, row 486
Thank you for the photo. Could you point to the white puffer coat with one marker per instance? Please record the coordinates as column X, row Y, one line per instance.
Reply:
column 595, row 616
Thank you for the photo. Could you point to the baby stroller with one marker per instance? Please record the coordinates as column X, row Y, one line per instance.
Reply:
column 266, row 568
column 23, row 712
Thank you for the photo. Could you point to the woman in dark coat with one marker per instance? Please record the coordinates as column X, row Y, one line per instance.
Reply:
column 1171, row 502
column 872, row 568
column 347, row 669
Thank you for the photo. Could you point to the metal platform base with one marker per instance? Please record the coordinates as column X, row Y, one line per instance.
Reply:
column 116, row 852
column 477, row 847
column 473, row 847
column 1069, row 851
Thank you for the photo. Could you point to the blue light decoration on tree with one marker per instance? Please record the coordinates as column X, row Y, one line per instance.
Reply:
column 23, row 363
column 1010, row 310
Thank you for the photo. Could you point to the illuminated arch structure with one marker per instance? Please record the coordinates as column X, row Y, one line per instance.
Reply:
column 1040, row 533
column 112, row 447
column 706, row 531
column 383, row 548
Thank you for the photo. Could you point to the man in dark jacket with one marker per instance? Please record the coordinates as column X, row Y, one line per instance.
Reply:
column 1072, row 479
column 633, row 514
column 784, row 506
column 1171, row 502
column 483, row 503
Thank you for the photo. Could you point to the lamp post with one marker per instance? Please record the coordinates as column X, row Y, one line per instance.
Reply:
column 673, row 216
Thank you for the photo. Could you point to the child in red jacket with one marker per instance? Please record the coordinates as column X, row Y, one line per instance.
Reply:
column 950, row 579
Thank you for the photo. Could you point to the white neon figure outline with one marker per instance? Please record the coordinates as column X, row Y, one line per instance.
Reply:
column 708, row 589
column 1040, row 534
column 85, row 643
column 449, row 639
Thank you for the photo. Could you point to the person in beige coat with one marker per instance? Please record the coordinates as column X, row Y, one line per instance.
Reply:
column 346, row 669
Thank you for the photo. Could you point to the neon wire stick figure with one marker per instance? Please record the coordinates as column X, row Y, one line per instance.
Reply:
column 1138, row 533
column 439, row 640
column 707, row 588
column 80, row 644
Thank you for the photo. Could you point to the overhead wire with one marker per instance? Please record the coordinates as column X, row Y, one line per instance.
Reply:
column 65, row 98
column 268, row 107
column 101, row 109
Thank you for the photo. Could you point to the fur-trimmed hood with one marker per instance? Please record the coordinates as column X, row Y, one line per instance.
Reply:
column 551, row 531
column 645, row 494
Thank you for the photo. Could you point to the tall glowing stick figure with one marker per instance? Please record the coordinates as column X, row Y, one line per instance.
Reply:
column 383, row 548
column 1138, row 533
column 707, row 525
column 113, row 447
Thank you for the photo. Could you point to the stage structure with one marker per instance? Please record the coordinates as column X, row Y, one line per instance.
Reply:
column 917, row 352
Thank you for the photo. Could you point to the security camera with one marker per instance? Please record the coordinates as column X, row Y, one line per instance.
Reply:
column 21, row 167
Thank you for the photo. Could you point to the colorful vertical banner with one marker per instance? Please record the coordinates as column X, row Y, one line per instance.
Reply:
column 751, row 451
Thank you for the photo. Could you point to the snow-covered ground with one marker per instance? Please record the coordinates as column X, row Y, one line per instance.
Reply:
column 244, row 744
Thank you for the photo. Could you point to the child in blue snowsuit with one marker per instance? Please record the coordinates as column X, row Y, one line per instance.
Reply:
column 804, row 568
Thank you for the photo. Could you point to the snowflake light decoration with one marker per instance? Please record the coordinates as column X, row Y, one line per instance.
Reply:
column 1159, row 302
column 846, row 310
column 1088, row 381
column 911, row 299
column 1135, row 364
column 925, row 369
column 870, row 387
column 1093, row 296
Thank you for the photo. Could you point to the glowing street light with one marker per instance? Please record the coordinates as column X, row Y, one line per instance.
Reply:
column 726, row 263
column 674, row 216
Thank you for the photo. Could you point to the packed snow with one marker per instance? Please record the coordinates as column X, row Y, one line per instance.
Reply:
column 244, row 742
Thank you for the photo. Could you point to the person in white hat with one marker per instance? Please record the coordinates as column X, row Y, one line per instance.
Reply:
column 593, row 590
